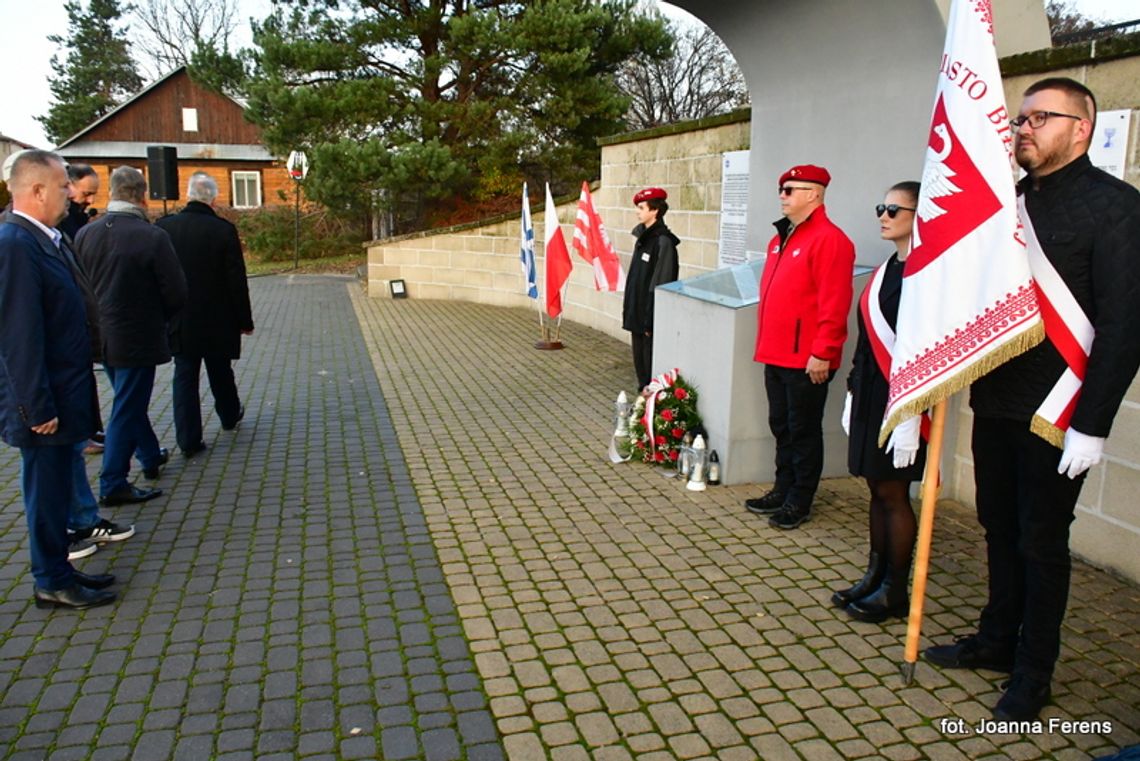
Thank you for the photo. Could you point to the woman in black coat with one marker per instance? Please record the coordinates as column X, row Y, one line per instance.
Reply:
column 889, row 470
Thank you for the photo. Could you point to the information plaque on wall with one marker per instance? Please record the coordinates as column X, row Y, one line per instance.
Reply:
column 1109, row 147
column 733, row 209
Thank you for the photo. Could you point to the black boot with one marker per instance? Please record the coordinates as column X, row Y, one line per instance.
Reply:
column 890, row 600
column 865, row 586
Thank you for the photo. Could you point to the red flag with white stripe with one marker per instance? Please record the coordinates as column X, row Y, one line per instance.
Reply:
column 593, row 244
column 968, row 300
column 558, row 264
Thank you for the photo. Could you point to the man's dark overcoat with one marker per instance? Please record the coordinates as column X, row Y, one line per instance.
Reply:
column 218, row 308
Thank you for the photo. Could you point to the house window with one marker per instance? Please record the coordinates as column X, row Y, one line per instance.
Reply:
column 247, row 190
column 189, row 120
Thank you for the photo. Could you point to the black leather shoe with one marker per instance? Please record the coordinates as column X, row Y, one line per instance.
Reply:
column 1023, row 699
column 240, row 417
column 876, row 569
column 890, row 600
column 153, row 471
column 94, row 581
column 968, row 652
column 196, row 449
column 766, row 505
column 129, row 496
column 76, row 596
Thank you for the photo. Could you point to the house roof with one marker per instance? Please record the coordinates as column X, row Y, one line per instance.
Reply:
column 5, row 139
column 125, row 104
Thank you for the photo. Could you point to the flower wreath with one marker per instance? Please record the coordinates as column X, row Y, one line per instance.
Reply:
column 657, row 438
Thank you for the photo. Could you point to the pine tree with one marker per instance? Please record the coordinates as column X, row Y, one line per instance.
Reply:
column 433, row 104
column 94, row 71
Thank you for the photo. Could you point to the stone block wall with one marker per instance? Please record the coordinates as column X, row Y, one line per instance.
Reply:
column 481, row 262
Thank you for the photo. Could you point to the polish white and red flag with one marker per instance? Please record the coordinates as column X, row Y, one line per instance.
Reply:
column 968, row 301
column 558, row 264
column 593, row 244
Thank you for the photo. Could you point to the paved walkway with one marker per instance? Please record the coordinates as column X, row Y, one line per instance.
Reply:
column 414, row 547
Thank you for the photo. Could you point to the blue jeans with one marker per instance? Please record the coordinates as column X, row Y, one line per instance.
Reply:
column 83, row 512
column 128, row 430
column 45, row 477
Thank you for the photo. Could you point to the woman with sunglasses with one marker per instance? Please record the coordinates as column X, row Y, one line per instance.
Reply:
column 889, row 470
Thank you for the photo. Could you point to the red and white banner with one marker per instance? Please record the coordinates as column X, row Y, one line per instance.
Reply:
column 558, row 264
column 593, row 244
column 968, row 301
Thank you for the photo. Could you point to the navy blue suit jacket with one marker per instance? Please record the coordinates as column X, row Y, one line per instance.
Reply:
column 45, row 350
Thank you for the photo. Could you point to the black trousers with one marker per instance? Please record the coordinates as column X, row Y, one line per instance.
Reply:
column 795, row 415
column 1026, row 508
column 187, row 400
column 642, row 358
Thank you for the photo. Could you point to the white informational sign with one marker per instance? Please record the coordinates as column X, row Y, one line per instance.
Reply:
column 1109, row 147
column 298, row 165
column 733, row 209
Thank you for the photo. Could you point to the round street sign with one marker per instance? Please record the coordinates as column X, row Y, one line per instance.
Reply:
column 298, row 165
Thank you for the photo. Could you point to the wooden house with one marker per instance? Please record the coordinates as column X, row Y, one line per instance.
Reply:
column 209, row 133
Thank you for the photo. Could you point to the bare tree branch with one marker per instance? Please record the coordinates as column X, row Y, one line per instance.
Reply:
column 176, row 29
column 700, row 79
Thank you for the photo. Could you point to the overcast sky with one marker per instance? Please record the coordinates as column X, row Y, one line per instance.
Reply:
column 27, row 53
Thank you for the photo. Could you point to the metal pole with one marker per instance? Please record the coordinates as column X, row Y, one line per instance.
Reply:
column 297, row 229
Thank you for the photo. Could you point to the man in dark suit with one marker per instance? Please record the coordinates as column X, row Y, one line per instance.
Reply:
column 140, row 288
column 217, row 312
column 47, row 393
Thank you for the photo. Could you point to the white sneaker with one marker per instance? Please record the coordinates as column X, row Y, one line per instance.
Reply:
column 79, row 548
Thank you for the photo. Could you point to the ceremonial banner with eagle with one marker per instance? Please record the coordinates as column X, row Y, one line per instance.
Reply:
column 968, row 301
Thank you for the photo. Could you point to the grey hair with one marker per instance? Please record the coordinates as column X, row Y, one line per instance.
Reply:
column 128, row 184
column 202, row 187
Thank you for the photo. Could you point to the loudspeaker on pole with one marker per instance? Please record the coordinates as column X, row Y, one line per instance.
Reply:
column 162, row 172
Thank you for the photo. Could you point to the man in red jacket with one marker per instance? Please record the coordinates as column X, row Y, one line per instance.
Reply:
column 805, row 294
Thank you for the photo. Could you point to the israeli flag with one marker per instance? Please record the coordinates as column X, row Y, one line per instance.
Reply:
column 526, row 248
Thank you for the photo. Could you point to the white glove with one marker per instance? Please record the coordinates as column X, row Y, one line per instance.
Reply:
column 845, row 421
column 904, row 442
column 1081, row 453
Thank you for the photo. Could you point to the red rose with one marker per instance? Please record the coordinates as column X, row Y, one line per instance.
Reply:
column 667, row 416
column 659, row 456
column 678, row 433
column 640, row 444
column 681, row 394
column 674, row 455
column 659, row 441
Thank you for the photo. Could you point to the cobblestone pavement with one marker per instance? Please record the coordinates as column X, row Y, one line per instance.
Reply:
column 428, row 555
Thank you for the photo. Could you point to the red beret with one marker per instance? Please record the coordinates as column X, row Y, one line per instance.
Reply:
column 806, row 173
column 648, row 194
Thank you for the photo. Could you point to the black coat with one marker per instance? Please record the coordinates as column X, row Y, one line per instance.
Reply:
column 218, row 308
column 870, row 389
column 138, row 283
column 45, row 355
column 1088, row 224
column 654, row 263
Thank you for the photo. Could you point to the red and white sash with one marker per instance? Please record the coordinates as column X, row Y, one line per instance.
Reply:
column 880, row 334
column 1067, row 327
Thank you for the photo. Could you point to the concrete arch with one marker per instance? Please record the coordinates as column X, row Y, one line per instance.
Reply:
column 847, row 84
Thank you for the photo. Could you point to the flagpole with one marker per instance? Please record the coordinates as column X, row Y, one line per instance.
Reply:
column 930, row 487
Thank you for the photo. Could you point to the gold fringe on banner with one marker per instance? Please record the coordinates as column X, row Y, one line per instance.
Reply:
column 1047, row 431
column 1023, row 343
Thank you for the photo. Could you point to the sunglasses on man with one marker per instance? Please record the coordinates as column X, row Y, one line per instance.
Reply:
column 892, row 209
column 787, row 190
